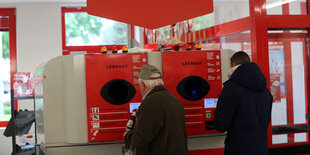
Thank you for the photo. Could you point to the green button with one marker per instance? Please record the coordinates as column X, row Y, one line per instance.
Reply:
column 208, row 115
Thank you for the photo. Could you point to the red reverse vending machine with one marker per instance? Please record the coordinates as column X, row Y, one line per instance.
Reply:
column 194, row 77
column 111, row 93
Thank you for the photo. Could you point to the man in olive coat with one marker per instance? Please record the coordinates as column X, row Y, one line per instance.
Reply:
column 160, row 127
column 244, row 108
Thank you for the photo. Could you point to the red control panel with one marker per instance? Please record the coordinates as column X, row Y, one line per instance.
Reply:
column 111, row 89
column 194, row 67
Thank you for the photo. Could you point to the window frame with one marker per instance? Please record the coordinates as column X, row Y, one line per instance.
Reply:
column 66, row 50
column 10, row 12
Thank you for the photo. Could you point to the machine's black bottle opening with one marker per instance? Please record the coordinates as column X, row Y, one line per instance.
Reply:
column 193, row 88
column 118, row 92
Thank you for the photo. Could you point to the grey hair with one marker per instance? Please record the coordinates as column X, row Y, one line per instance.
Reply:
column 154, row 82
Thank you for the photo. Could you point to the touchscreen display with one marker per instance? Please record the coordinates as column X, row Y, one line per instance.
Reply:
column 133, row 106
column 210, row 102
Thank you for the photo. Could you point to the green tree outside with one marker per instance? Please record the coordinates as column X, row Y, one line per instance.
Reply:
column 203, row 22
column 5, row 45
column 83, row 29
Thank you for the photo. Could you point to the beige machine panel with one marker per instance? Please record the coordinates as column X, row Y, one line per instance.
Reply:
column 225, row 62
column 75, row 115
column 53, row 101
column 64, row 100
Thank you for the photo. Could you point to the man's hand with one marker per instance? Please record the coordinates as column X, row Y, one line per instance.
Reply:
column 126, row 131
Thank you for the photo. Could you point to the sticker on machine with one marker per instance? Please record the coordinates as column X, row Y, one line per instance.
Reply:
column 210, row 77
column 96, row 125
column 95, row 133
column 95, row 117
column 211, row 70
column 95, row 110
column 210, row 64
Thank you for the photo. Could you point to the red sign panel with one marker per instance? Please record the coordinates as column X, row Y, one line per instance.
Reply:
column 23, row 84
column 204, row 64
column 275, row 87
column 107, row 121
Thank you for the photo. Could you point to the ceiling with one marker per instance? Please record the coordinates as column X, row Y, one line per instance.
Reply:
column 40, row 1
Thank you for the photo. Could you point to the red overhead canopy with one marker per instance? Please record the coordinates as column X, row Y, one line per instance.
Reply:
column 149, row 13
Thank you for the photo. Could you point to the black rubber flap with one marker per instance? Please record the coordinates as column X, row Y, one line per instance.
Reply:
column 193, row 88
column 118, row 92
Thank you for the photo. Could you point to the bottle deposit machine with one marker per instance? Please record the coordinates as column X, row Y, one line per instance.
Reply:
column 83, row 102
column 195, row 78
column 110, row 86
column 81, row 99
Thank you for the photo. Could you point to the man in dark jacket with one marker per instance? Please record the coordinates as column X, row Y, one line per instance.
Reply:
column 160, row 128
column 244, row 108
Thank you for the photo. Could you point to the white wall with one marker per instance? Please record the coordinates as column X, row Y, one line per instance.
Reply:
column 39, row 38
column 38, row 34
column 5, row 144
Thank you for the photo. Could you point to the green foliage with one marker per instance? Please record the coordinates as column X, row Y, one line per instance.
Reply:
column 7, row 109
column 115, row 34
column 5, row 45
column 81, row 25
column 87, row 27
column 203, row 22
column 7, row 113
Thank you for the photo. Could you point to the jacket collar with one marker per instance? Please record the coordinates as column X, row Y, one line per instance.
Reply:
column 156, row 89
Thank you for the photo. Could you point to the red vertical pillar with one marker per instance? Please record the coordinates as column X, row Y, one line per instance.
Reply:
column 288, row 77
column 259, row 36
column 289, row 86
column 259, row 42
column 13, row 53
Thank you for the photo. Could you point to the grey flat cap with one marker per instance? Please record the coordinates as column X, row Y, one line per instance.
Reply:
column 146, row 72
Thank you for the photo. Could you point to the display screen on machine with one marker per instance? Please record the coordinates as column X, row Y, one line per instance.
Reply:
column 210, row 102
column 133, row 106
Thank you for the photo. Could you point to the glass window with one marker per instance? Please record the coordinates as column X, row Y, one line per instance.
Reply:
column 87, row 30
column 203, row 22
column 286, row 7
column 224, row 11
column 240, row 41
column 165, row 28
column 5, row 85
column 229, row 10
column 288, row 84
column 160, row 35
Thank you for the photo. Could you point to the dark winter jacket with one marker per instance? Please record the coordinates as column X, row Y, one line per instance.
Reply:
column 160, row 128
column 244, row 111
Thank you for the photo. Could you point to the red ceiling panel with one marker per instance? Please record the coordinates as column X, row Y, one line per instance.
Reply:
column 147, row 13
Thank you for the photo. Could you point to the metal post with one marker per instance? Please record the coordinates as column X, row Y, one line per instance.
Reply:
column 37, row 148
column 35, row 120
column 13, row 122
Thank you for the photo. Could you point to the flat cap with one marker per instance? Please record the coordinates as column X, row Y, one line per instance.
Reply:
column 147, row 71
